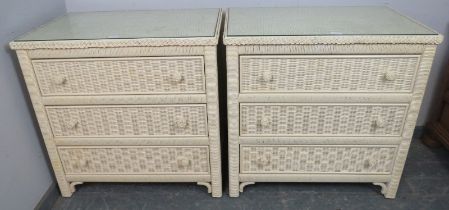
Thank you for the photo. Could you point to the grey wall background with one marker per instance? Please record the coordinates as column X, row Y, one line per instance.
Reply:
column 24, row 174
column 433, row 13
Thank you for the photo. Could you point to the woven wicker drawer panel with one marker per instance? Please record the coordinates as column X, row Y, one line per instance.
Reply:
column 139, row 120
column 317, row 159
column 356, row 73
column 134, row 160
column 146, row 75
column 322, row 119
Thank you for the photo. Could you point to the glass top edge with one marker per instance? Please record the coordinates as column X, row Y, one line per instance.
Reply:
column 210, row 22
column 329, row 35
column 344, row 21
column 111, row 39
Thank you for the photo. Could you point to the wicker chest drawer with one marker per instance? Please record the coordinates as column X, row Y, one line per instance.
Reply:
column 135, row 160
column 129, row 120
column 143, row 75
column 304, row 119
column 328, row 73
column 339, row 159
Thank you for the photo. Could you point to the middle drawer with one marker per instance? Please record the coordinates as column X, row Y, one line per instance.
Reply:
column 128, row 120
column 306, row 119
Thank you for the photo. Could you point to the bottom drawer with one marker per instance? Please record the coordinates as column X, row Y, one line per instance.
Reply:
column 135, row 160
column 365, row 159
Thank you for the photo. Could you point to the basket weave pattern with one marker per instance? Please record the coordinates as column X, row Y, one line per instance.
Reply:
column 134, row 160
column 112, row 121
column 317, row 159
column 120, row 76
column 327, row 73
column 322, row 119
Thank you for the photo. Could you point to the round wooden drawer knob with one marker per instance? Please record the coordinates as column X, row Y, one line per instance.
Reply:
column 367, row 164
column 389, row 76
column 60, row 80
column 84, row 163
column 380, row 123
column 263, row 161
column 183, row 162
column 176, row 77
column 181, row 122
column 267, row 76
column 73, row 124
column 265, row 122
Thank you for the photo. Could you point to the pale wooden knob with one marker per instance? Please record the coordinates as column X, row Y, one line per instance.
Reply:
column 264, row 160
column 60, row 80
column 183, row 162
column 176, row 77
column 267, row 76
column 181, row 122
column 73, row 124
column 380, row 123
column 367, row 164
column 265, row 122
column 84, row 163
column 389, row 76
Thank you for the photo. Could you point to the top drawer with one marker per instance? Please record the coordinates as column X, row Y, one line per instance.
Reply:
column 109, row 76
column 328, row 73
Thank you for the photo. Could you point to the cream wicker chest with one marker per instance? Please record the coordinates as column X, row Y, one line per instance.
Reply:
column 127, row 96
column 323, row 94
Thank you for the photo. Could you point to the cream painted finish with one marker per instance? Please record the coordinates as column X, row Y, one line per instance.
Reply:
column 127, row 105
column 323, row 94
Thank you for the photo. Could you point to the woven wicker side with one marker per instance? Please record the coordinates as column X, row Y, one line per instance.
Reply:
column 233, row 119
column 412, row 116
column 41, row 115
column 210, row 55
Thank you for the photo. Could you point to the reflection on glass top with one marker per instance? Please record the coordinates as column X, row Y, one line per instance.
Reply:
column 128, row 25
column 303, row 21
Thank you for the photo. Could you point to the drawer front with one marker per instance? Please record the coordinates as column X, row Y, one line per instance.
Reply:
column 135, row 160
column 317, row 159
column 146, row 75
column 120, row 121
column 328, row 73
column 322, row 119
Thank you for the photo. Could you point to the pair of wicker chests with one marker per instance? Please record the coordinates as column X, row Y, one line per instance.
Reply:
column 314, row 94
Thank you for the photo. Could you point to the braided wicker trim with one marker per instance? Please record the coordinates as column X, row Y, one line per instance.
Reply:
column 354, row 39
column 106, row 43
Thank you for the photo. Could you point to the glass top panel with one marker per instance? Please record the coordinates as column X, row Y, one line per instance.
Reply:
column 128, row 25
column 302, row 21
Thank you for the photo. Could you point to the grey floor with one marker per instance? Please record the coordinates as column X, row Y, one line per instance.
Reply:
column 425, row 185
